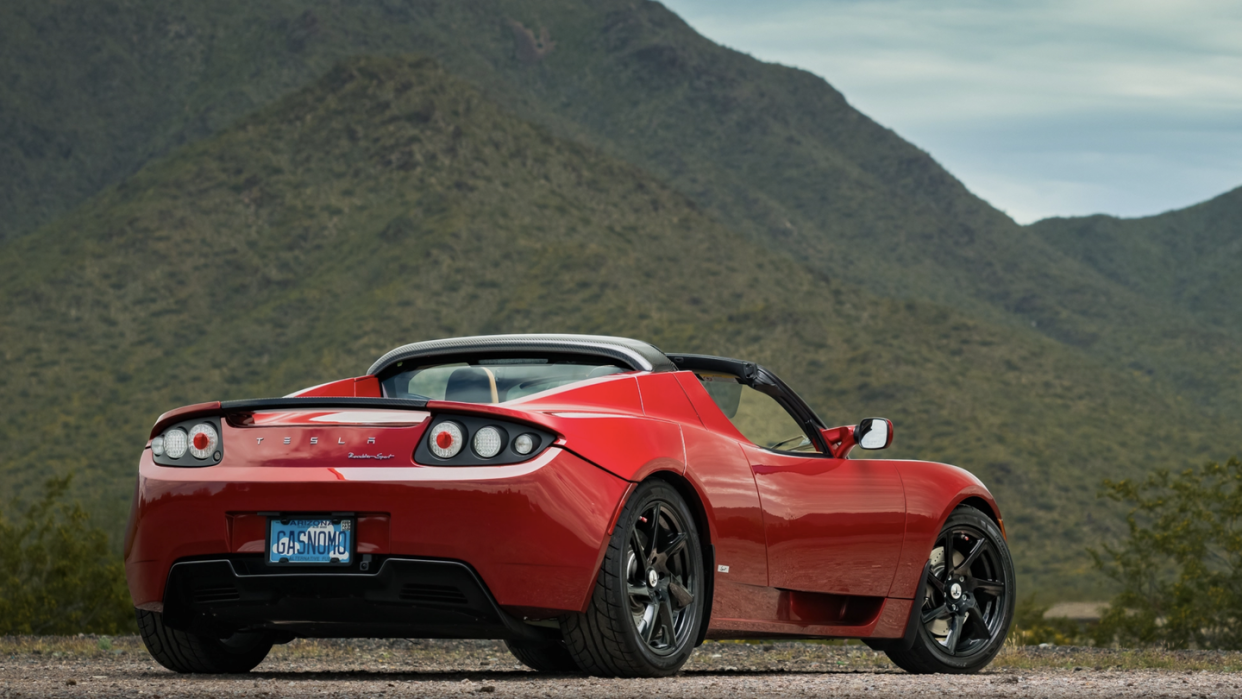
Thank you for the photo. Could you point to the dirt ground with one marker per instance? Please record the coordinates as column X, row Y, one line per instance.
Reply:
column 105, row 667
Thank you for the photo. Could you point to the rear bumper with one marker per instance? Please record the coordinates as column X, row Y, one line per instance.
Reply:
column 533, row 533
column 402, row 597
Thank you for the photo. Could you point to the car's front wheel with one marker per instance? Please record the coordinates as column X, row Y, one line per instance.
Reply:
column 182, row 651
column 648, row 601
column 967, row 598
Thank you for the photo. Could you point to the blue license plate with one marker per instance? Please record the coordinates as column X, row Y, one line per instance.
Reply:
column 311, row 540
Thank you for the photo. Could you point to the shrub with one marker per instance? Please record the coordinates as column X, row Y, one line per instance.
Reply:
column 1180, row 568
column 57, row 573
column 1030, row 628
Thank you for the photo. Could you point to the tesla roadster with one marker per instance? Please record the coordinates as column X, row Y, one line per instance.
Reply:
column 600, row 505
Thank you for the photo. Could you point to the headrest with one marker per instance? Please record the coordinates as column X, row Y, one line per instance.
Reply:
column 470, row 384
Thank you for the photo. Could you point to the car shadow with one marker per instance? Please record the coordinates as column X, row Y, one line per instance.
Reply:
column 473, row 676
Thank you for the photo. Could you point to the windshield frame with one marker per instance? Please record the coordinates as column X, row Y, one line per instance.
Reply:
column 765, row 381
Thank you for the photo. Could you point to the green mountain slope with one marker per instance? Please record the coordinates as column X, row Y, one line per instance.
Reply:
column 390, row 202
column 774, row 153
column 1191, row 257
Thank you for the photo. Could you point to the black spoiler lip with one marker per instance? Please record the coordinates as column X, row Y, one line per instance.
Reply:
column 307, row 403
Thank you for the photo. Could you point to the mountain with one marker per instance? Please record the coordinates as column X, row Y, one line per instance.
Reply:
column 774, row 153
column 391, row 201
column 185, row 221
column 1191, row 257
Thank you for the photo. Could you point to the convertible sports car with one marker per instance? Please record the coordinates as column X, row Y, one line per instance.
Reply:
column 600, row 505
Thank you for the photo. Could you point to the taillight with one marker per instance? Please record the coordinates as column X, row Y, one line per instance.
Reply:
column 446, row 439
column 524, row 444
column 175, row 443
column 491, row 442
column 488, row 442
column 190, row 443
column 203, row 440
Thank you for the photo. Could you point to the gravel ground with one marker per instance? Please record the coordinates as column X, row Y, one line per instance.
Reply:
column 120, row 667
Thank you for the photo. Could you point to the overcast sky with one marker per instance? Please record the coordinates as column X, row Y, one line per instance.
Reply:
column 1043, row 108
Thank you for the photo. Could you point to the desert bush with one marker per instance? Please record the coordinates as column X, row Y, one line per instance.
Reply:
column 58, row 574
column 1030, row 628
column 1180, row 567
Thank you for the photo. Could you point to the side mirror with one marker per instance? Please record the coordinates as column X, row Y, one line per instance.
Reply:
column 874, row 433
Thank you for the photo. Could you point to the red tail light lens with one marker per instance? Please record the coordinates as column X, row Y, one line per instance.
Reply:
column 446, row 440
column 203, row 440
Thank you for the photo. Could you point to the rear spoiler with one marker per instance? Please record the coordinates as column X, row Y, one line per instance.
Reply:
column 232, row 407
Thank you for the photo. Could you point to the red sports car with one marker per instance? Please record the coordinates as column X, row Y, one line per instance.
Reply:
column 599, row 504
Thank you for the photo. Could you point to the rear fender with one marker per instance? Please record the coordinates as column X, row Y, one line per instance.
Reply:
column 601, row 420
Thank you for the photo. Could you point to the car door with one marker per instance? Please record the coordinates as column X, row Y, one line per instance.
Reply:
column 832, row 525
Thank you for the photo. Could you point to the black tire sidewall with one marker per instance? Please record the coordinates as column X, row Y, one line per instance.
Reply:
column 543, row 656
column 187, row 652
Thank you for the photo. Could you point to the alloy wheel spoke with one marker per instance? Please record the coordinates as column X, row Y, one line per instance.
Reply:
column 980, row 546
column 938, row 613
column 639, row 549
column 675, row 546
column 947, row 548
column 639, row 591
column 681, row 595
column 990, row 587
column 955, row 634
column 665, row 616
column 655, row 533
column 935, row 581
column 651, row 627
column 979, row 627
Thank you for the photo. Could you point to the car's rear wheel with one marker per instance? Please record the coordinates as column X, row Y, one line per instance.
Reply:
column 967, row 598
column 182, row 651
column 648, row 601
column 543, row 656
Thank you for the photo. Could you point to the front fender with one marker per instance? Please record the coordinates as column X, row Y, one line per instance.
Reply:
column 933, row 491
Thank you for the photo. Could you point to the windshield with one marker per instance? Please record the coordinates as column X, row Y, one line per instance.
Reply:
column 494, row 380
column 758, row 416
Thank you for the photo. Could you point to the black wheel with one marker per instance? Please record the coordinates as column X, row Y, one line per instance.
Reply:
column 552, row 656
column 967, row 601
column 181, row 651
column 648, row 601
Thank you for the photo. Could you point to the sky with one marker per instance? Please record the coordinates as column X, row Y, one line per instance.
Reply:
column 1042, row 108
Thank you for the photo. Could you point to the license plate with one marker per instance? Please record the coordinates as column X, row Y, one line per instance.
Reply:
column 328, row 541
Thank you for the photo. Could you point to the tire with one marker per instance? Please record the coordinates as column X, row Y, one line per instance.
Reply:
column 543, row 657
column 181, row 651
column 633, row 628
column 961, row 634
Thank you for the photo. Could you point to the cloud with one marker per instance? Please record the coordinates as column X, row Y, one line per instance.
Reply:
column 1043, row 108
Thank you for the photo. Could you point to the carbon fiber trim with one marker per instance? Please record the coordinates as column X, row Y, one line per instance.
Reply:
column 233, row 406
column 635, row 354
